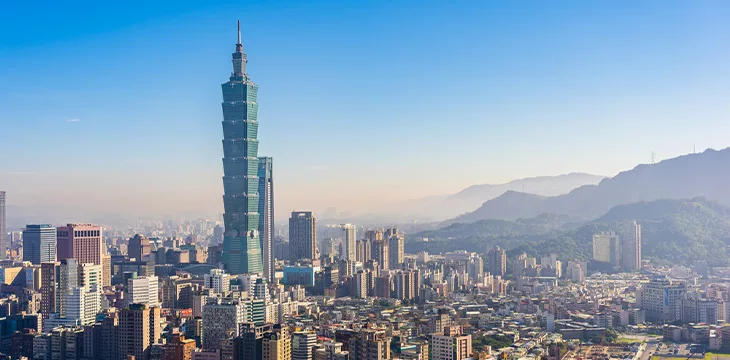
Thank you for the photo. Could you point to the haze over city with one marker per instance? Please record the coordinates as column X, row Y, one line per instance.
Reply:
column 363, row 104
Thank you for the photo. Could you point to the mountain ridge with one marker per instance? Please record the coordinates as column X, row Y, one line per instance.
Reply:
column 688, row 176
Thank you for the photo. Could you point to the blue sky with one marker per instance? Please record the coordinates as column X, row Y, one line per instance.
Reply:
column 361, row 103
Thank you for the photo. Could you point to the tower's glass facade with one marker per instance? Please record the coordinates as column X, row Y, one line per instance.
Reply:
column 241, row 247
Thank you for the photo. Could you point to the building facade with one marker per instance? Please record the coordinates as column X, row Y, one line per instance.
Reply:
column 39, row 244
column 82, row 242
column 631, row 246
column 497, row 261
column 302, row 236
column 349, row 239
column 266, row 215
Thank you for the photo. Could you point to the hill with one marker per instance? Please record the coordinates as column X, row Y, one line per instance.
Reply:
column 673, row 231
column 696, row 175
column 448, row 206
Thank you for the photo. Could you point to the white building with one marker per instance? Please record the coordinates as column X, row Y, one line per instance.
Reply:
column 218, row 281
column 451, row 347
column 143, row 290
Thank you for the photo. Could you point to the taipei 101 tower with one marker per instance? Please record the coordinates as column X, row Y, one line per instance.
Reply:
column 241, row 246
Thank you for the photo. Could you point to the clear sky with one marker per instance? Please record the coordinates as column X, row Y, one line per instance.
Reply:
column 361, row 102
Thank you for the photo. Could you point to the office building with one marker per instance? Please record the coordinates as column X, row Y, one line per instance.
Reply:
column 266, row 215
column 39, row 244
column 3, row 226
column 302, row 236
column 497, row 262
column 607, row 248
column 631, row 246
column 456, row 347
column 350, row 240
column 82, row 242
column 139, row 329
column 364, row 250
column 139, row 248
column 302, row 345
column 241, row 245
column 68, row 280
column 143, row 290
column 221, row 320
column 49, row 285
column 276, row 344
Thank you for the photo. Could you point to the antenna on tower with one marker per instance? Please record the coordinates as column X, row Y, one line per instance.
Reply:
column 653, row 156
column 239, row 32
column 694, row 149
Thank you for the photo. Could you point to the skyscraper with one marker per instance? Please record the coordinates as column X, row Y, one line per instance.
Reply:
column 302, row 236
column 49, row 282
column 39, row 244
column 3, row 226
column 139, row 328
column 241, row 246
column 497, row 261
column 81, row 242
column 631, row 246
column 350, row 242
column 266, row 215
column 396, row 248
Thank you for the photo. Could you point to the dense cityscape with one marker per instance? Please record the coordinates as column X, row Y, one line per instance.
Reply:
column 244, row 286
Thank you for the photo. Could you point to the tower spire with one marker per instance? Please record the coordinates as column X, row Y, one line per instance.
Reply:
column 239, row 32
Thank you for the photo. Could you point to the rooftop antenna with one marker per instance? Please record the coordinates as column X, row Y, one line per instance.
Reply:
column 653, row 156
column 239, row 32
column 694, row 148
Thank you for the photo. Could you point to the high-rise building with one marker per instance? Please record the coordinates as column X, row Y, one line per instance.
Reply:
column 302, row 236
column 266, row 215
column 82, row 242
column 39, row 244
column 139, row 329
column 221, row 320
column 497, row 261
column 381, row 253
column 396, row 250
column 661, row 299
column 218, row 281
column 349, row 239
column 302, row 345
column 49, row 285
column 241, row 246
column 607, row 248
column 143, row 290
column 631, row 246
column 456, row 347
column 276, row 344
column 3, row 226
column 68, row 280
column 139, row 247
column 364, row 250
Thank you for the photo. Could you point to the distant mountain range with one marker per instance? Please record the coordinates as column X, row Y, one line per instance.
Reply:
column 448, row 206
column 706, row 174
column 673, row 231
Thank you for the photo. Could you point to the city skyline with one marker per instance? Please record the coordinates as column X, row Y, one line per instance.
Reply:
column 648, row 77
